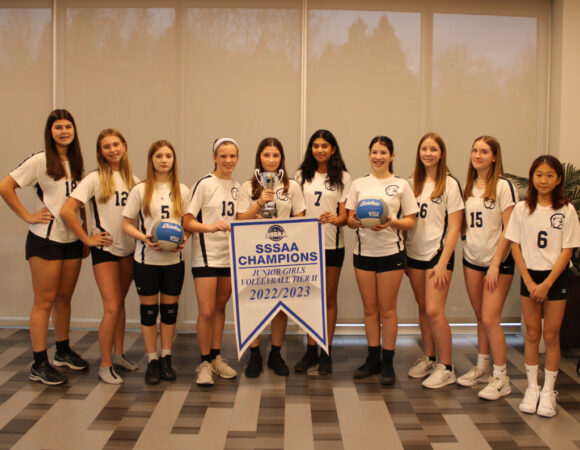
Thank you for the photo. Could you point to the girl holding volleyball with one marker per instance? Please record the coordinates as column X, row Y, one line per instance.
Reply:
column 325, row 184
column 105, row 191
column 208, row 215
column 430, row 250
column 158, row 274
column 544, row 231
column 53, row 251
column 378, row 256
column 488, row 266
column 289, row 203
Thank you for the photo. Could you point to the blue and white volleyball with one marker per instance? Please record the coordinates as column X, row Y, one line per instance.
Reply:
column 169, row 234
column 372, row 212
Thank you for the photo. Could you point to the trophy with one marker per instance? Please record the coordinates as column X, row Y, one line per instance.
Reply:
column 268, row 180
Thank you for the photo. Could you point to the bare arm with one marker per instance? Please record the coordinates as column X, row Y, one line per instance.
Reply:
column 8, row 188
column 503, row 247
column 67, row 212
column 439, row 273
column 130, row 229
column 192, row 225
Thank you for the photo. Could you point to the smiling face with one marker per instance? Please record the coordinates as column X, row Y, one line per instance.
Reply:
column 380, row 158
column 270, row 159
column 482, row 157
column 322, row 151
column 430, row 153
column 163, row 160
column 545, row 179
column 112, row 149
column 226, row 159
column 63, row 133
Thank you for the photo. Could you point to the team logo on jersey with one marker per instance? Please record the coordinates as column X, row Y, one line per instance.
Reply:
column 489, row 204
column 281, row 195
column 328, row 186
column 557, row 221
column 276, row 233
column 392, row 190
column 437, row 200
column 234, row 193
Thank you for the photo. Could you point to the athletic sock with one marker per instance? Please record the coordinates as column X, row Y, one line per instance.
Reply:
column 549, row 380
column 165, row 352
column 255, row 350
column 532, row 375
column 499, row 371
column 482, row 360
column 432, row 358
column 152, row 356
column 206, row 357
column 311, row 349
column 213, row 353
column 63, row 347
column 39, row 357
column 275, row 349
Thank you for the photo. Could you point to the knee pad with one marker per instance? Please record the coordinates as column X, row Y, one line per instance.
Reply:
column 149, row 315
column 168, row 313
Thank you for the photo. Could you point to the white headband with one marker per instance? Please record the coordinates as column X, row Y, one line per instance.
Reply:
column 221, row 141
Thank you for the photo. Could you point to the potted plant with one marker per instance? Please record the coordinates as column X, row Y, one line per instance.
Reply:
column 570, row 331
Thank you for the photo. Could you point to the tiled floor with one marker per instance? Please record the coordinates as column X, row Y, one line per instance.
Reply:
column 271, row 412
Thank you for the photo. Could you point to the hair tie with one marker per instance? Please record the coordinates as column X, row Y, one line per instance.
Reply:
column 223, row 140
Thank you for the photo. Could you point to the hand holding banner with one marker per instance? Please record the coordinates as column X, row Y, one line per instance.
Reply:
column 278, row 266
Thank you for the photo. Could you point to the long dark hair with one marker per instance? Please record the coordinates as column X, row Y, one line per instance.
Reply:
column 558, row 199
column 269, row 142
column 335, row 164
column 54, row 165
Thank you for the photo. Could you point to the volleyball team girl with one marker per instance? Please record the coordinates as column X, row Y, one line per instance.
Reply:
column 111, row 215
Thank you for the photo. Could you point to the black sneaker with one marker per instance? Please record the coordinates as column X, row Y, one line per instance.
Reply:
column 277, row 364
column 71, row 360
column 370, row 367
column 153, row 373
column 324, row 364
column 167, row 372
column 388, row 376
column 254, row 367
column 309, row 359
column 46, row 374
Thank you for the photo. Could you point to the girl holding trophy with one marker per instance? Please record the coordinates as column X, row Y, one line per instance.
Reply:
column 270, row 194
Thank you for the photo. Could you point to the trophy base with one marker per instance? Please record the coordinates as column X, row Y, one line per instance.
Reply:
column 269, row 214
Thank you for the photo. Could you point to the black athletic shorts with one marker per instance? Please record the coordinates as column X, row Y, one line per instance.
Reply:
column 334, row 257
column 100, row 256
column 207, row 272
column 505, row 268
column 380, row 263
column 150, row 279
column 51, row 250
column 425, row 265
column 558, row 291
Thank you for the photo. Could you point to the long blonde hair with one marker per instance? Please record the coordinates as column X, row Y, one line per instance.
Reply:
column 420, row 174
column 173, row 181
column 106, row 173
column 496, row 170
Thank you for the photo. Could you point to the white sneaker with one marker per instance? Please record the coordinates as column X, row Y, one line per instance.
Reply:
column 529, row 403
column 496, row 388
column 204, row 373
column 222, row 369
column 439, row 378
column 124, row 362
column 422, row 367
column 109, row 376
column 547, row 406
column 476, row 373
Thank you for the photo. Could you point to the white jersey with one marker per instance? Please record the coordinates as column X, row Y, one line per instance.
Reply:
column 161, row 208
column 320, row 197
column 50, row 194
column 399, row 197
column 288, row 204
column 212, row 200
column 106, row 216
column 428, row 237
column 483, row 222
column 543, row 234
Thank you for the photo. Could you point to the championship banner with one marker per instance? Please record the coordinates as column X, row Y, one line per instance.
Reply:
column 278, row 265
